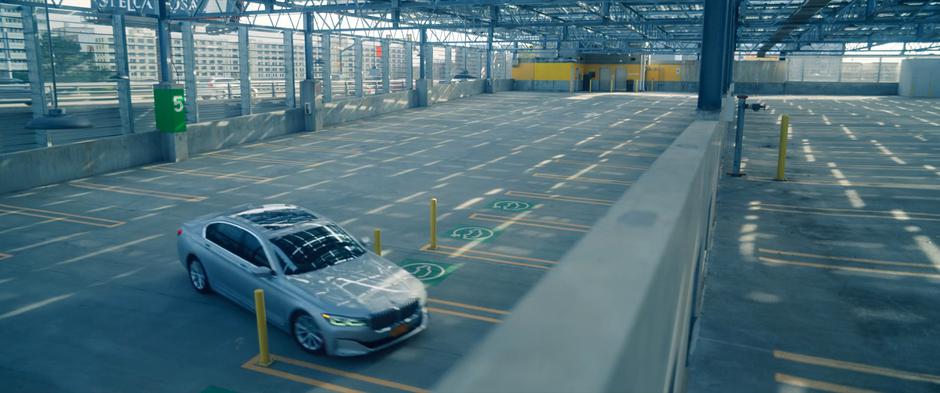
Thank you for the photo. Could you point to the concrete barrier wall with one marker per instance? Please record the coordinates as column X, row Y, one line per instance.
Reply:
column 614, row 315
column 32, row 168
column 357, row 108
column 817, row 88
column 919, row 78
column 444, row 92
column 218, row 134
column 502, row 85
column 38, row 167
column 556, row 86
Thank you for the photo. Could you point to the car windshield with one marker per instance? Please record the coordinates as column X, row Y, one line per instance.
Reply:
column 315, row 248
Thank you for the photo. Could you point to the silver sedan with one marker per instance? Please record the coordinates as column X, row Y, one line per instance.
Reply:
column 321, row 285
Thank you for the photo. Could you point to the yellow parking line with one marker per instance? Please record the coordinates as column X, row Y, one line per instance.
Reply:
column 469, row 306
column 617, row 152
column 550, row 224
column 580, row 179
column 251, row 365
column 60, row 216
column 496, row 254
column 488, row 259
column 563, row 198
column 824, row 211
column 204, row 173
column 138, row 191
column 266, row 160
column 849, row 259
column 853, row 184
column 599, row 164
column 348, row 374
column 464, row 315
column 817, row 385
column 309, row 148
column 848, row 268
column 858, row 367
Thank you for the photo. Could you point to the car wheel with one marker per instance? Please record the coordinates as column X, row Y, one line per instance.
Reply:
column 306, row 333
column 198, row 277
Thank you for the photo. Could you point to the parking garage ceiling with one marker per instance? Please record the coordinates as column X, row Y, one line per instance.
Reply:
column 584, row 26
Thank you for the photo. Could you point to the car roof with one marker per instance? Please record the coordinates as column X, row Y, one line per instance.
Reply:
column 272, row 217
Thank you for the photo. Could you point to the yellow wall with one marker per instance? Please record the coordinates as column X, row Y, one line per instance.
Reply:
column 543, row 71
column 562, row 71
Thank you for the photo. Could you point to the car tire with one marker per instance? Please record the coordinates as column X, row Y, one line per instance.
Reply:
column 306, row 334
column 198, row 277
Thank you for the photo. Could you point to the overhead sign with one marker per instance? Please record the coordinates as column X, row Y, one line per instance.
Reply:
column 145, row 7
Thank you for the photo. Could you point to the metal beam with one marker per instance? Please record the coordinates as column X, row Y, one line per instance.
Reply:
column 290, row 94
column 713, row 55
column 189, row 72
column 326, row 56
column 357, row 67
column 386, row 66
column 244, row 70
column 33, row 62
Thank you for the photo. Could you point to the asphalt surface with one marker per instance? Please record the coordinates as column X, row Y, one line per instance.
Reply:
column 92, row 297
column 828, row 281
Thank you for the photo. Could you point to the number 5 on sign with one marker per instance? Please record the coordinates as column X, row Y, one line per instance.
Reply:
column 178, row 103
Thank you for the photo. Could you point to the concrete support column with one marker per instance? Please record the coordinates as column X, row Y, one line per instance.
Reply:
column 409, row 66
column 423, row 88
column 494, row 16
column 33, row 63
column 712, row 58
column 125, row 108
column 189, row 72
column 357, row 69
column 312, row 104
column 327, row 58
column 244, row 70
column 290, row 95
column 466, row 54
column 446, row 73
column 386, row 66
column 164, row 53
column 429, row 62
column 480, row 60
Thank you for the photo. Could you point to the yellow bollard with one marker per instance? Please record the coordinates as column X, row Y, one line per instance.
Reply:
column 433, row 244
column 377, row 234
column 782, row 152
column 264, row 357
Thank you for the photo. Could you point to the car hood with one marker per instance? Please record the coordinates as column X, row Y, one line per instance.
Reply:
column 368, row 283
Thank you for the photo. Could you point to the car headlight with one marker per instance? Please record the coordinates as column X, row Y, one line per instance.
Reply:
column 339, row 320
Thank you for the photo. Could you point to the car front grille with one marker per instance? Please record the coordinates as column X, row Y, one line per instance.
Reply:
column 387, row 318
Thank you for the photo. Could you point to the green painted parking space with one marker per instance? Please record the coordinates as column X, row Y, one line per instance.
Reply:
column 430, row 273
column 472, row 233
column 510, row 205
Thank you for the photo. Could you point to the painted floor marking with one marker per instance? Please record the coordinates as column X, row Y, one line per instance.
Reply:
column 60, row 216
column 4, row 256
column 468, row 306
column 600, row 164
column 253, row 158
column 454, row 252
column 463, row 315
column 889, row 215
column 847, row 259
column 138, row 191
column 580, row 179
column 817, row 385
column 531, row 222
column 307, row 148
column 617, row 152
column 348, row 374
column 108, row 249
column 854, row 184
column 205, row 173
column 857, row 367
column 251, row 364
column 563, row 198
column 776, row 261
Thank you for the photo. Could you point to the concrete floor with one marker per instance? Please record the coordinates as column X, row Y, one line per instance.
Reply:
column 92, row 297
column 828, row 281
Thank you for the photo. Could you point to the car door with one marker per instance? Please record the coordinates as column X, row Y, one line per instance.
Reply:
column 231, row 270
column 252, row 254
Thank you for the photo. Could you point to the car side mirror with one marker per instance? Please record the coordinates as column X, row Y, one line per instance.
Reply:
column 262, row 271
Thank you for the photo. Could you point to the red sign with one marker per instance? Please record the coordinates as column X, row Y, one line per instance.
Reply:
column 378, row 51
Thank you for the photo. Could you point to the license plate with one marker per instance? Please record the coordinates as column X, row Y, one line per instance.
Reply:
column 399, row 330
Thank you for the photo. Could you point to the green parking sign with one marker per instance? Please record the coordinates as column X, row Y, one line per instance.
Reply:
column 169, row 107
column 430, row 273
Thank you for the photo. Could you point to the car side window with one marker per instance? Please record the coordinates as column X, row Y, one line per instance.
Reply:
column 253, row 252
column 238, row 242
